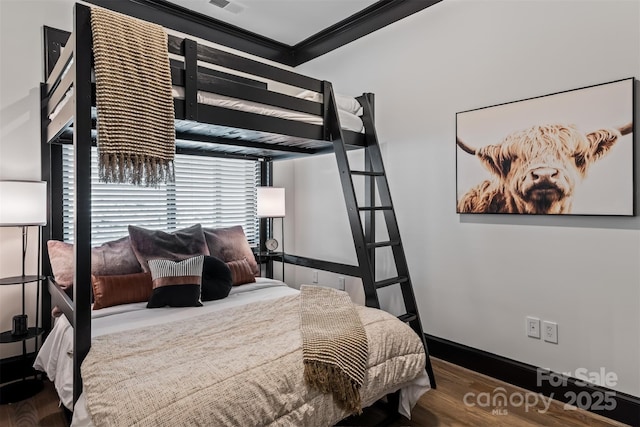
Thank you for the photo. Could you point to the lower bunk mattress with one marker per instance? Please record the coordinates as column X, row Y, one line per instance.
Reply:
column 235, row 362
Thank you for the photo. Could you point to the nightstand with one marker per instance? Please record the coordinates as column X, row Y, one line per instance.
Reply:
column 25, row 388
column 267, row 258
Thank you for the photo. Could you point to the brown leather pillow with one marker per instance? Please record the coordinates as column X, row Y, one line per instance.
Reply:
column 241, row 272
column 121, row 289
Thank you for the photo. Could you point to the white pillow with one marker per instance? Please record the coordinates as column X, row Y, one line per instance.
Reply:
column 344, row 102
column 349, row 121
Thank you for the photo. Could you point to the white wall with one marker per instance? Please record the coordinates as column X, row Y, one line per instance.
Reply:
column 477, row 277
column 21, row 71
column 582, row 272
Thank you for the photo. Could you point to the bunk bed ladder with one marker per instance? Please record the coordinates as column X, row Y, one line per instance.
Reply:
column 364, row 235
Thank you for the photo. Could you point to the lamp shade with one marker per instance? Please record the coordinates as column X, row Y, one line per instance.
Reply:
column 23, row 203
column 271, row 202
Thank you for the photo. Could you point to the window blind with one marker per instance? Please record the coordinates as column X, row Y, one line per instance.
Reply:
column 215, row 192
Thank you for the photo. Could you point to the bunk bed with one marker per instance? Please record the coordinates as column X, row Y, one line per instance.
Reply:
column 267, row 126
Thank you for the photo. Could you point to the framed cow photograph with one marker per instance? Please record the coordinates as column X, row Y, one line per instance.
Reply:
column 568, row 153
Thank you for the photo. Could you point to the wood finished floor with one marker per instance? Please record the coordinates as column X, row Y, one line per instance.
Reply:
column 437, row 408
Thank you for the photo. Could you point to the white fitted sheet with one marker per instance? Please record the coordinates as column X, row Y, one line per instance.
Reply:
column 348, row 121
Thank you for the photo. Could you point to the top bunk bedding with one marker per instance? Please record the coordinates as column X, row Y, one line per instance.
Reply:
column 349, row 120
column 249, row 142
column 234, row 111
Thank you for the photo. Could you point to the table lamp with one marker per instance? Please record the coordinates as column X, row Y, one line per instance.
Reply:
column 23, row 204
column 271, row 204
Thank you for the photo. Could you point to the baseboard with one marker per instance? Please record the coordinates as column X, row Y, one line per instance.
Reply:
column 16, row 367
column 597, row 399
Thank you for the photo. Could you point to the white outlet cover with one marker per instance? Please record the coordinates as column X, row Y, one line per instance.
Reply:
column 533, row 327
column 550, row 331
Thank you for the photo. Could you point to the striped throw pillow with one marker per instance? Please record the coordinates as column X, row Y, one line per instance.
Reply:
column 176, row 283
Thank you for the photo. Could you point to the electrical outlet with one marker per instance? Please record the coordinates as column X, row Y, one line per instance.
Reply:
column 533, row 327
column 341, row 283
column 314, row 276
column 550, row 331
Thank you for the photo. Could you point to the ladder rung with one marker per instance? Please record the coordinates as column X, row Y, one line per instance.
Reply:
column 408, row 317
column 375, row 208
column 383, row 244
column 391, row 281
column 357, row 146
column 367, row 173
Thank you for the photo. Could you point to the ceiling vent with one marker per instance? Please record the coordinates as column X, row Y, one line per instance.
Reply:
column 227, row 5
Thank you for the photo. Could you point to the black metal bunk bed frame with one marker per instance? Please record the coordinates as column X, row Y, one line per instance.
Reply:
column 210, row 131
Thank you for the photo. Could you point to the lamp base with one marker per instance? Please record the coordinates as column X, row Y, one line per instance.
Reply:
column 19, row 327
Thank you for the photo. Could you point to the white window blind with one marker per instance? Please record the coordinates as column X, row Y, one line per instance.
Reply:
column 215, row 192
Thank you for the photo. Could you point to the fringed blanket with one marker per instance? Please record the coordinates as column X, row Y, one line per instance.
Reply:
column 136, row 134
column 334, row 345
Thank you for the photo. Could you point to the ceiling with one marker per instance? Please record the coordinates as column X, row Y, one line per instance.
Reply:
column 290, row 32
column 286, row 21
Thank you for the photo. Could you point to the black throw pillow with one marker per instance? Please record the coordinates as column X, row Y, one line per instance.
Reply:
column 216, row 279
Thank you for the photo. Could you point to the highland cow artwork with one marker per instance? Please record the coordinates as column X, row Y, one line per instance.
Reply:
column 566, row 153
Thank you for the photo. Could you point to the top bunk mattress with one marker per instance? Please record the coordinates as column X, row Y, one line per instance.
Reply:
column 348, row 121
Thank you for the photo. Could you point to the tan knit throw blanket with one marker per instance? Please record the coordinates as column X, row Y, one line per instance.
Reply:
column 334, row 345
column 136, row 134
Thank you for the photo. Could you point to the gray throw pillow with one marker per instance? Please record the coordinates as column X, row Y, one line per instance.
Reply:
column 176, row 246
column 230, row 244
